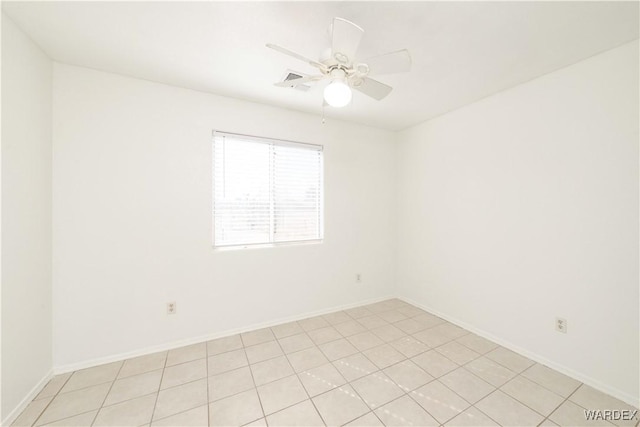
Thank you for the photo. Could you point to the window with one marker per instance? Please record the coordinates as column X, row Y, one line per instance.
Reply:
column 265, row 191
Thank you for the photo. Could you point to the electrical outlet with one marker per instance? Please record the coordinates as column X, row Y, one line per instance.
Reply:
column 171, row 308
column 358, row 278
column 561, row 325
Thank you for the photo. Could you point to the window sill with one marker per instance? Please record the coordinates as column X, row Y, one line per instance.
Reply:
column 266, row 245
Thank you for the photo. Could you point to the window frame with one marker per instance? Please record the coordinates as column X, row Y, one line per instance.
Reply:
column 271, row 244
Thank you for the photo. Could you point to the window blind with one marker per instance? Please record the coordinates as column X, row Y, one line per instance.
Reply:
column 265, row 190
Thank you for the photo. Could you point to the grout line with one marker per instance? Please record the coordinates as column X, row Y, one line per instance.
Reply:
column 303, row 387
column 155, row 404
column 177, row 413
column 255, row 386
column 48, row 404
column 107, row 395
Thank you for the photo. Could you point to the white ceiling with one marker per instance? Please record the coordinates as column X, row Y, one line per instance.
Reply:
column 462, row 51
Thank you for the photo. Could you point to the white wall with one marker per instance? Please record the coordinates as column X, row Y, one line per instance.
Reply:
column 132, row 218
column 26, row 216
column 523, row 207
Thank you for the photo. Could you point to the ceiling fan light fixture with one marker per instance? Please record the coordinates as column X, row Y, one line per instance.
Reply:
column 337, row 93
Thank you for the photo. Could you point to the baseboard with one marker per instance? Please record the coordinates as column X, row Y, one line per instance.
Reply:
column 612, row 391
column 203, row 338
column 27, row 399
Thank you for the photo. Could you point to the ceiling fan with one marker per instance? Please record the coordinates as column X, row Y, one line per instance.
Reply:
column 344, row 71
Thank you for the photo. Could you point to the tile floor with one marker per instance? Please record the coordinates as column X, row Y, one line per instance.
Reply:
column 388, row 363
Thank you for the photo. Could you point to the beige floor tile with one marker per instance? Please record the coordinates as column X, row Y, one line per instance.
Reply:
column 358, row 312
column 372, row 322
column 302, row 414
column 75, row 402
column 281, row 394
column 181, row 398
column 324, row 335
column 490, row 371
column 257, row 423
column 590, row 398
column 533, row 395
column 92, row 376
column 286, row 330
column 195, row 417
column 184, row 373
column 428, row 320
column 467, row 385
column 507, row 411
column 388, row 333
column 409, row 326
column 477, row 343
column 350, row 328
column 337, row 317
column 53, row 386
column 340, row 405
column 271, row 370
column 313, row 323
column 392, row 316
column 570, row 414
column 295, row 343
column 236, row 410
column 355, row 366
column 135, row 386
column 421, row 314
column 457, row 352
column 405, row 412
column 441, row 403
column 82, row 420
column 434, row 363
column 551, row 379
column 509, row 359
column 257, row 337
column 187, row 354
column 451, row 330
column 142, row 364
column 411, row 311
column 471, row 417
column 338, row 349
column 407, row 375
column 31, row 413
column 384, row 356
column 230, row 383
column 409, row 346
column 133, row 412
column 321, row 379
column 223, row 345
column 226, row 361
column 306, row 359
column 432, row 337
column 377, row 389
column 264, row 351
column 365, row 340
column 379, row 335
column 380, row 307
column 547, row 423
column 397, row 303
column 367, row 420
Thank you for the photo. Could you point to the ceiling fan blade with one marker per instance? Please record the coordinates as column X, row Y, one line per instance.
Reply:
column 297, row 56
column 389, row 63
column 346, row 38
column 373, row 88
column 301, row 80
